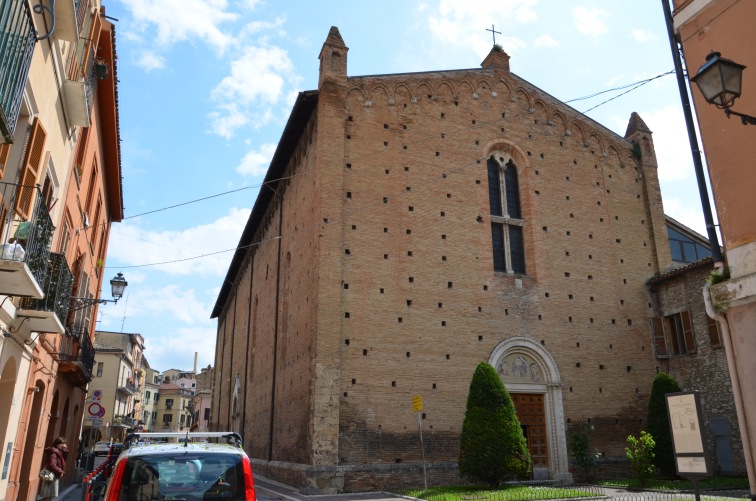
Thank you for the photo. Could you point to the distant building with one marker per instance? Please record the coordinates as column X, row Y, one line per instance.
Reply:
column 150, row 395
column 118, row 361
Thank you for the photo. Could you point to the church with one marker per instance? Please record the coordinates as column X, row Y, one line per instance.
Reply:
column 411, row 226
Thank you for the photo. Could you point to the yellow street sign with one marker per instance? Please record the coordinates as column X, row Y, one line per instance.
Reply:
column 417, row 403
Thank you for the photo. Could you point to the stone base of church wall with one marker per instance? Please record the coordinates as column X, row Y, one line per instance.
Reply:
column 355, row 478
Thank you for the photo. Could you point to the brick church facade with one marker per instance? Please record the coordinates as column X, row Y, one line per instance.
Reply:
column 413, row 225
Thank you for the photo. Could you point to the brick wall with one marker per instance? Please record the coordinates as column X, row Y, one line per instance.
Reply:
column 393, row 292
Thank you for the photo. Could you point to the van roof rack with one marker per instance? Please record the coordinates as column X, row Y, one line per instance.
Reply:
column 185, row 437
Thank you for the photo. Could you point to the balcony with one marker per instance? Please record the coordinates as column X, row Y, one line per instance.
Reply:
column 69, row 19
column 78, row 94
column 126, row 387
column 124, row 422
column 17, row 40
column 25, row 251
column 76, row 357
column 49, row 313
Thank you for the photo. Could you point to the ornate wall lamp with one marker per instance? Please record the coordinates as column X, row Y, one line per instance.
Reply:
column 720, row 81
column 118, row 284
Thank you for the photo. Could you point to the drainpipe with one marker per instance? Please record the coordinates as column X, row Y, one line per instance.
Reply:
column 745, row 434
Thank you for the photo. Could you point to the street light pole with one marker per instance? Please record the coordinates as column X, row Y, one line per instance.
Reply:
column 703, row 192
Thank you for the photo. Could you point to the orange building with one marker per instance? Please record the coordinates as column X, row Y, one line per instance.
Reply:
column 60, row 189
column 725, row 26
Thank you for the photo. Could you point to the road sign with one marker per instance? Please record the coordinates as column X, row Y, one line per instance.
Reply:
column 96, row 423
column 96, row 409
column 417, row 403
column 96, row 395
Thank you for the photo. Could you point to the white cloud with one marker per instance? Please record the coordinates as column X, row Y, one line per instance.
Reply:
column 454, row 20
column 589, row 21
column 226, row 121
column 180, row 20
column 173, row 247
column 545, row 41
column 149, row 61
column 642, row 35
column 259, row 74
column 260, row 78
column 256, row 162
column 176, row 349
column 688, row 211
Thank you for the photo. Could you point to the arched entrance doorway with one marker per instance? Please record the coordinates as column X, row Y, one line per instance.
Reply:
column 531, row 377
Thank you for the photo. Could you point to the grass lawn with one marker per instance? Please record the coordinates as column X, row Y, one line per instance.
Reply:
column 478, row 493
column 668, row 484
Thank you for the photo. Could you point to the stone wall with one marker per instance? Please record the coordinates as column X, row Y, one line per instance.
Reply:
column 704, row 369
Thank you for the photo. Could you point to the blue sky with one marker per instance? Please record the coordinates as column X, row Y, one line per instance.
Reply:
column 206, row 87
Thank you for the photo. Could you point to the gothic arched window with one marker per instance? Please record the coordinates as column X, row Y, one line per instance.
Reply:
column 506, row 216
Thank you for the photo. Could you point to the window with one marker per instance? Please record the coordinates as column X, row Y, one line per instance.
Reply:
column 156, row 396
column 65, row 234
column 168, row 403
column 684, row 249
column 183, row 418
column 506, row 216
column 154, row 416
column 167, row 419
column 715, row 334
column 147, row 395
column 207, row 413
column 99, row 369
column 673, row 335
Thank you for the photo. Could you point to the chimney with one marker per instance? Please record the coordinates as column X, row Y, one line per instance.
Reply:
column 195, row 363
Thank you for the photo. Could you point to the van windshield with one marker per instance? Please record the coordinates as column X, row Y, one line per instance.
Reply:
column 183, row 477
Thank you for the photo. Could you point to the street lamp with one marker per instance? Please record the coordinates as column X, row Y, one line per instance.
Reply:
column 720, row 81
column 117, row 286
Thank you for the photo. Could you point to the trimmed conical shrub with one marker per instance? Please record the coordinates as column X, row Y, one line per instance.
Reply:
column 657, row 423
column 492, row 446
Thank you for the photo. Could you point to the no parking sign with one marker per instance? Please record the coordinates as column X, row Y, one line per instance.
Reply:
column 96, row 410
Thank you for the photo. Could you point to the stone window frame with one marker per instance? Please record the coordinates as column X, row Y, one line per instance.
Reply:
column 505, row 221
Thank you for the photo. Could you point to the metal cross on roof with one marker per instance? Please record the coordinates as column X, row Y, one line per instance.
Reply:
column 493, row 33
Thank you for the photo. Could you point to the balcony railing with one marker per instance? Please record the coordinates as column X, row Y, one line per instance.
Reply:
column 25, row 252
column 126, row 387
column 17, row 40
column 76, row 357
column 57, row 289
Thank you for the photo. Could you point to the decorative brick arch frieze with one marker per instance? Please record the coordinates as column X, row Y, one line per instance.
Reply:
column 549, row 384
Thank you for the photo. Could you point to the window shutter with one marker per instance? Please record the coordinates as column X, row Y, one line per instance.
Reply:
column 660, row 341
column 715, row 335
column 4, row 154
column 31, row 169
column 690, row 339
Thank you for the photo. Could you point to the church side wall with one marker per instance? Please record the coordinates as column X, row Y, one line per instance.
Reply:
column 421, row 304
column 248, row 337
